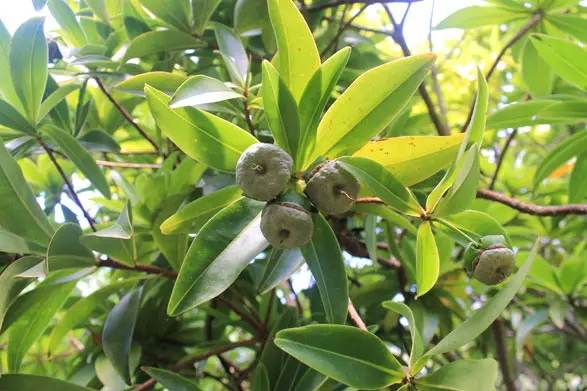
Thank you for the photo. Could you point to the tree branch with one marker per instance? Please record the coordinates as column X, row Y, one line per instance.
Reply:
column 500, row 158
column 139, row 267
column 501, row 350
column 260, row 328
column 355, row 316
column 320, row 7
column 342, row 28
column 124, row 113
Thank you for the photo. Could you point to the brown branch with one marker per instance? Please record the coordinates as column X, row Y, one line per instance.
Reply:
column 124, row 112
column 72, row 192
column 260, row 328
column 500, row 158
column 106, row 163
column 297, row 299
column 533, row 22
column 355, row 316
column 222, row 349
column 139, row 267
column 501, row 351
column 532, row 209
column 342, row 28
column 320, row 7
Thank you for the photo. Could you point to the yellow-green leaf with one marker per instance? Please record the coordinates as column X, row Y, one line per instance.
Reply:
column 427, row 259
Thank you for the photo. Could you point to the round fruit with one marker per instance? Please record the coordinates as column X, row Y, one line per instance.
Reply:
column 263, row 170
column 494, row 265
column 332, row 189
column 286, row 225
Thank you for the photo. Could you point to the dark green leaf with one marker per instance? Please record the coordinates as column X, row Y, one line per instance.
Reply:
column 280, row 266
column 462, row 375
column 7, row 89
column 260, row 379
column 10, row 287
column 176, row 13
column 12, row 119
column 406, row 312
column 563, row 152
column 154, row 42
column 36, row 383
column 66, row 251
column 170, row 380
column 202, row 10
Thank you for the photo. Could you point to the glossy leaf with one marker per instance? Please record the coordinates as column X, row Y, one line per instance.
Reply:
column 272, row 357
column 202, row 136
column 11, row 243
column 80, row 157
column 521, row 114
column 10, row 287
column 566, row 58
column 477, row 16
column 281, row 111
column 71, row 30
column 324, row 258
column 462, row 375
column 175, row 246
column 53, row 100
column 199, row 90
column 370, row 231
column 202, row 11
column 280, row 266
column 260, row 379
column 311, row 381
column 475, row 223
column 35, row 383
column 28, row 65
column 388, row 214
column 563, row 152
column 233, row 53
column 154, row 42
column 218, row 254
column 118, row 332
column 405, row 311
column 382, row 183
column 171, row 380
column 427, row 259
column 12, row 119
column 347, row 354
column 162, row 81
column 176, row 13
column 66, row 251
column 368, row 105
column 6, row 87
column 298, row 55
column 411, row 159
column 578, row 180
column 19, row 210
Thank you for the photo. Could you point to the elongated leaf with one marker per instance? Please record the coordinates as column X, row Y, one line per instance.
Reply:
column 19, row 210
column 7, row 90
column 154, row 42
column 566, row 58
column 564, row 112
column 406, row 312
column 202, row 136
column 118, row 332
column 199, row 90
column 482, row 318
column 536, row 73
column 35, row 383
column 521, row 114
column 412, row 159
column 572, row 24
column 298, row 54
column 71, row 30
column 369, row 105
column 427, row 259
column 273, row 357
column 54, row 99
column 171, row 380
column 233, row 52
column 66, row 251
column 218, row 254
column 175, row 246
column 281, row 265
column 260, row 379
column 578, row 180
column 476, row 16
column 371, row 236
column 176, row 13
column 528, row 324
column 382, row 183
column 462, row 375
column 292, row 371
column 477, row 224
column 28, row 65
column 568, row 148
column 324, row 258
column 134, row 23
column 202, row 11
column 347, row 354
column 10, row 287
column 281, row 111
column 98, row 7
column 11, row 243
column 388, row 214
column 314, row 99
column 311, row 381
column 12, row 119
column 163, row 81
column 80, row 157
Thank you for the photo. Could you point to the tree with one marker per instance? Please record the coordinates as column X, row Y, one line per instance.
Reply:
column 167, row 168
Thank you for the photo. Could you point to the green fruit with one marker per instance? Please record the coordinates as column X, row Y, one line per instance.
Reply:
column 494, row 265
column 332, row 189
column 286, row 225
column 263, row 170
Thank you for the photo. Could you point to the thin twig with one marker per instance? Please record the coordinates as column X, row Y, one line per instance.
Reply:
column 297, row 299
column 320, row 7
column 72, row 191
column 501, row 351
column 125, row 113
column 247, row 112
column 500, row 158
column 342, row 28
column 139, row 267
column 107, row 163
column 261, row 329
column 355, row 316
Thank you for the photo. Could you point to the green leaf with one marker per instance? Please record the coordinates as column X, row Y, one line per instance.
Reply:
column 175, row 246
column 474, row 223
column 314, row 99
column 71, row 30
column 19, row 210
column 7, row 90
column 324, row 258
column 427, row 259
column 382, row 183
column 202, row 11
column 521, row 114
column 12, row 119
column 311, row 381
column 202, row 136
column 66, row 251
column 158, row 41
column 11, row 243
column 28, row 65
column 298, row 55
column 405, row 311
column 11, row 286
column 97, row 140
column 233, row 52
column 572, row 24
column 272, row 357
column 199, row 90
column 578, row 180
column 347, row 354
column 477, row 16
column 134, row 24
column 571, row 112
column 116, row 240
column 31, row 324
column 170, row 380
column 388, row 214
column 36, row 383
column 280, row 266
column 250, row 16
column 537, row 74
column 80, row 157
column 368, row 105
column 566, row 58
column 527, row 326
column 462, row 375
column 118, row 331
column 281, row 111
column 53, row 100
column 176, row 13
column 260, row 379
column 107, row 374
column 563, row 152
column 482, row 318
column 371, row 236
column 291, row 372
column 163, row 81
column 218, row 254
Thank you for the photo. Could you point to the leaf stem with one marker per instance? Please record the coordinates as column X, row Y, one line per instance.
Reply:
column 457, row 230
